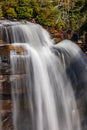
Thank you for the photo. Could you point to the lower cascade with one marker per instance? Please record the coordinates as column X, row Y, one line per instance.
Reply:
column 40, row 78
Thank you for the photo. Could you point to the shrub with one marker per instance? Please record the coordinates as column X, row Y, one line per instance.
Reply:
column 10, row 13
column 24, row 12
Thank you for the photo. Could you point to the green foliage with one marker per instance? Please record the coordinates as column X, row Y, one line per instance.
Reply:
column 24, row 12
column 10, row 13
column 61, row 24
column 9, row 3
column 1, row 13
column 41, row 18
column 79, row 14
column 23, row 2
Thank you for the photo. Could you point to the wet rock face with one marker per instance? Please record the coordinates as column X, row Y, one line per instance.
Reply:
column 6, row 77
column 5, row 90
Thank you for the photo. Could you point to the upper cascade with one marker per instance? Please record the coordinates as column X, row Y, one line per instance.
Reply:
column 24, row 32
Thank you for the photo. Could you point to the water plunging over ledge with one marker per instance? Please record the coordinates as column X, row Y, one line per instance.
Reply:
column 37, row 78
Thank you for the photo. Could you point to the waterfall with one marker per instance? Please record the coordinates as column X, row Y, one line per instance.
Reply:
column 42, row 77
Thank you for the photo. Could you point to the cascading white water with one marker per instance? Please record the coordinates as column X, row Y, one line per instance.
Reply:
column 42, row 93
column 52, row 104
column 14, row 32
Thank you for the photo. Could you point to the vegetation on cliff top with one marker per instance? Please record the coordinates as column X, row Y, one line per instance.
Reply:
column 51, row 13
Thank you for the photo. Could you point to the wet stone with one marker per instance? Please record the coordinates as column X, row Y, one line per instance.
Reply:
column 7, row 121
column 6, row 78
